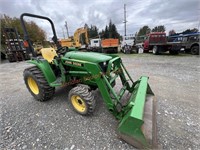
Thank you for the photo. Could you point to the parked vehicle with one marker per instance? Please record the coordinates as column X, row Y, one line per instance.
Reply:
column 189, row 42
column 14, row 50
column 79, row 40
column 175, row 38
column 157, row 41
column 104, row 45
column 95, row 45
column 127, row 44
column 110, row 45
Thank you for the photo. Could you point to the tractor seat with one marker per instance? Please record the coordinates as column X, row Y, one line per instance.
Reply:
column 48, row 54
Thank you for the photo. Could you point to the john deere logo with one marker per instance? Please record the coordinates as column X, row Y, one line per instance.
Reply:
column 68, row 62
column 77, row 64
column 73, row 63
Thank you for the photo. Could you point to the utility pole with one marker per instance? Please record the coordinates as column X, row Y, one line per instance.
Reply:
column 67, row 29
column 63, row 33
column 124, row 20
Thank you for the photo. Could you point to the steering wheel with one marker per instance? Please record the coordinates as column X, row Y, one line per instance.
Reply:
column 62, row 50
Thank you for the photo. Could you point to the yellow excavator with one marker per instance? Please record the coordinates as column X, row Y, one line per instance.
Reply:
column 79, row 40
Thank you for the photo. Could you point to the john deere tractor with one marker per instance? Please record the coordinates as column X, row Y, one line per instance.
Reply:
column 88, row 71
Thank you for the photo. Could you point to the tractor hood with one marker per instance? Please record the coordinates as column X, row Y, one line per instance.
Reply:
column 88, row 56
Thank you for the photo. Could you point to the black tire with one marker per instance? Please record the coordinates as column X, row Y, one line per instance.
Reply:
column 123, row 50
column 82, row 100
column 155, row 50
column 27, row 56
column 195, row 50
column 45, row 92
column 3, row 56
column 127, row 49
column 100, row 50
column 116, row 50
column 137, row 50
column 11, row 58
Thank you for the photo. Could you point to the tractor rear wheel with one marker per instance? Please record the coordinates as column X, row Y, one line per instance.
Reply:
column 82, row 100
column 37, row 84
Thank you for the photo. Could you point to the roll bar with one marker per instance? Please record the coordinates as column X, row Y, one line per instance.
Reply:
column 26, row 36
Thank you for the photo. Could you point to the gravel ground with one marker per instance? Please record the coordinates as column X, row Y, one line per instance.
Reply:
column 29, row 124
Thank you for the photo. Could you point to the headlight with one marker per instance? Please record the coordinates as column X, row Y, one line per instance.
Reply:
column 112, row 67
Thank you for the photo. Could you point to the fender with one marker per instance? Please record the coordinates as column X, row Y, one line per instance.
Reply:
column 46, row 69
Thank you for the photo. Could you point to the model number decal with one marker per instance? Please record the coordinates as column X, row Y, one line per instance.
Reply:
column 73, row 63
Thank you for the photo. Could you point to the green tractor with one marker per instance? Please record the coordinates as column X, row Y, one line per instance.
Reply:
column 88, row 71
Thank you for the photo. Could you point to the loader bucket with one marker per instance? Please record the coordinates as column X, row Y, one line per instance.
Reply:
column 138, row 125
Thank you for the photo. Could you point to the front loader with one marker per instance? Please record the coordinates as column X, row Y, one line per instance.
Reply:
column 133, row 104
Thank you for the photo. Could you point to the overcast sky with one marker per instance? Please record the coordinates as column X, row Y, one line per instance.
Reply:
column 174, row 14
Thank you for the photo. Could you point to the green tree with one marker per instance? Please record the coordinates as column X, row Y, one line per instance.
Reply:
column 35, row 32
column 102, row 33
column 106, row 33
column 114, row 32
column 144, row 30
column 110, row 31
column 93, row 31
column 160, row 28
column 172, row 32
column 190, row 31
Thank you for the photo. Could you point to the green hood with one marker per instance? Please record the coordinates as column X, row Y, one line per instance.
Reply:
column 88, row 56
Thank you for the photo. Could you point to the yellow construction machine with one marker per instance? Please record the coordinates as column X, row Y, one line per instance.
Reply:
column 79, row 40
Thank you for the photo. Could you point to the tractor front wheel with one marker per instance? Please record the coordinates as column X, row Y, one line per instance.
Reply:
column 82, row 100
column 37, row 84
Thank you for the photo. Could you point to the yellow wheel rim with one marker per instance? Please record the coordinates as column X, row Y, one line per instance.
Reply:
column 78, row 103
column 33, row 85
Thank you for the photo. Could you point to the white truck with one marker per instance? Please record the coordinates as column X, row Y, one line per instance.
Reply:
column 127, row 44
column 95, row 45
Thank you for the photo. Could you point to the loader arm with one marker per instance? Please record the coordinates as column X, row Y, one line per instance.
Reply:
column 137, row 116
